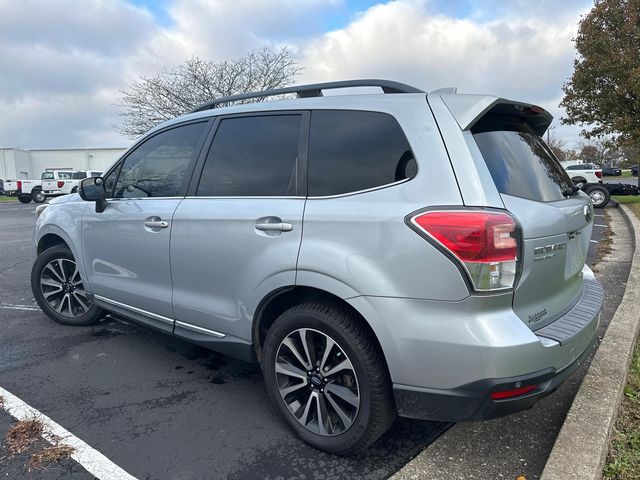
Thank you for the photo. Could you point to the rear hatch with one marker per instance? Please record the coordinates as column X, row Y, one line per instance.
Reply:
column 555, row 220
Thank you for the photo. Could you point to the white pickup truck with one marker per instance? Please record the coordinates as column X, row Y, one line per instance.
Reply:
column 32, row 189
column 584, row 173
column 58, row 182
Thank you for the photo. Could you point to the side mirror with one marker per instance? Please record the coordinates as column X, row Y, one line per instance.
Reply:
column 92, row 190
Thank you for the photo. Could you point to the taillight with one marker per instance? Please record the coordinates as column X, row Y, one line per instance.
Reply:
column 60, row 184
column 599, row 173
column 19, row 185
column 483, row 242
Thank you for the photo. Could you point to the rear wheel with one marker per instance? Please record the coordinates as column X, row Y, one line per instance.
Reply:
column 37, row 196
column 327, row 377
column 24, row 198
column 59, row 289
column 600, row 196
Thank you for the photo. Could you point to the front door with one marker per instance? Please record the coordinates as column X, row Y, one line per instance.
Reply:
column 126, row 247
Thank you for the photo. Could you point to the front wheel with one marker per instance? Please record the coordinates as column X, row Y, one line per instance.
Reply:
column 59, row 289
column 327, row 377
column 24, row 198
column 600, row 196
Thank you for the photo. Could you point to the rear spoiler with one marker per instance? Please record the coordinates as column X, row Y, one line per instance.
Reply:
column 470, row 109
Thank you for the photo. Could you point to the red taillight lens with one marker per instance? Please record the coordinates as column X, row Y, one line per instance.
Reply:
column 19, row 183
column 60, row 184
column 478, row 237
column 516, row 392
column 599, row 173
column 483, row 242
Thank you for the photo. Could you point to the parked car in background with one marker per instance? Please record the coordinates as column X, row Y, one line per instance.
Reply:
column 312, row 236
column 584, row 173
column 634, row 170
column 611, row 171
column 64, row 182
column 1, row 187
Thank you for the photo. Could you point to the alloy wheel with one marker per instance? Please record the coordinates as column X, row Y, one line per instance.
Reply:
column 62, row 288
column 317, row 382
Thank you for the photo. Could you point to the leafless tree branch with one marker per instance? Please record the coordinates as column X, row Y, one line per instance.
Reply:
column 153, row 100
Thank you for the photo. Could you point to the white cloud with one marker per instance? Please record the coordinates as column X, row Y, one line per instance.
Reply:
column 62, row 62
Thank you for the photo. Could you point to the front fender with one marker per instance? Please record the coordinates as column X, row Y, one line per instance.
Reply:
column 65, row 221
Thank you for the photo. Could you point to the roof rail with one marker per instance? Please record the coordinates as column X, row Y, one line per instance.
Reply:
column 313, row 90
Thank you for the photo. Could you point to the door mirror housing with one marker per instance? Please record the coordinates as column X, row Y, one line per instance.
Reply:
column 92, row 190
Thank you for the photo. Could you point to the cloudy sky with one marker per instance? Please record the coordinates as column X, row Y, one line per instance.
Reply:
column 63, row 62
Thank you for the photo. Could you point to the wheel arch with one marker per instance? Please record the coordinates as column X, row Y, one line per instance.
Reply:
column 49, row 240
column 281, row 299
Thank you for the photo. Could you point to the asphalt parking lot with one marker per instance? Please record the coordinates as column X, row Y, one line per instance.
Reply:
column 161, row 408
column 156, row 406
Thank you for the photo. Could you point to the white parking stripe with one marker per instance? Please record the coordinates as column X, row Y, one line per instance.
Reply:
column 598, row 225
column 26, row 308
column 594, row 241
column 93, row 461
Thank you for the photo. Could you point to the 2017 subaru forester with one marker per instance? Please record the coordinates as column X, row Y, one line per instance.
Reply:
column 380, row 254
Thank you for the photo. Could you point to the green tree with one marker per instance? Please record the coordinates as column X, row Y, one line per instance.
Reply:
column 603, row 94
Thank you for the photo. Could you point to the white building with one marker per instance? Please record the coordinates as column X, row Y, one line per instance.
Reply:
column 17, row 163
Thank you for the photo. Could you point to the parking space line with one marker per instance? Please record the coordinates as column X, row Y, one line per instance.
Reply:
column 26, row 308
column 90, row 459
column 599, row 225
column 593, row 241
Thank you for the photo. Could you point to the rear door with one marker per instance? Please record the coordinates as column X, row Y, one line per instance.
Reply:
column 237, row 234
column 556, row 222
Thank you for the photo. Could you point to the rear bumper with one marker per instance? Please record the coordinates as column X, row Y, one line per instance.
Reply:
column 473, row 401
column 446, row 358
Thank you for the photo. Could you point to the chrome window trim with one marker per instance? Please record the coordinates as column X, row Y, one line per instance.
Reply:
column 357, row 192
column 191, row 197
column 197, row 329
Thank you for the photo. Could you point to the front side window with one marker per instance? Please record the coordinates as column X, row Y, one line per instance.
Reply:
column 46, row 176
column 351, row 151
column 79, row 175
column 253, row 156
column 158, row 167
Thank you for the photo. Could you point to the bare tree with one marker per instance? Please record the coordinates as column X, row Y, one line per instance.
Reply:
column 153, row 100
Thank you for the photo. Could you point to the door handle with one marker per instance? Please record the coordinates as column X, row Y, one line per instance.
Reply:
column 278, row 227
column 156, row 224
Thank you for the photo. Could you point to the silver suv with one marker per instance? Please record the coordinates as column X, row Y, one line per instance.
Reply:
column 379, row 254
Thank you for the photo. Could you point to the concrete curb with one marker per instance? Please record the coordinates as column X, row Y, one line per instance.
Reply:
column 581, row 448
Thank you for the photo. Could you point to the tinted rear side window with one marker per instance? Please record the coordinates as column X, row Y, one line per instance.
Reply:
column 253, row 156
column 351, row 151
column 522, row 165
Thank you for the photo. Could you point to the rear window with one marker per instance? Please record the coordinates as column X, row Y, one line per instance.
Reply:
column 522, row 165
column 46, row 176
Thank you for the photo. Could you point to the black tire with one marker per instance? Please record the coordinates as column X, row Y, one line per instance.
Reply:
column 60, row 252
column 74, row 190
column 37, row 196
column 24, row 198
column 376, row 410
column 577, row 180
column 600, row 196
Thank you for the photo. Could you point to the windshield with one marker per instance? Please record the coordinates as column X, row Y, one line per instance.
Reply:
column 522, row 165
column 46, row 176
